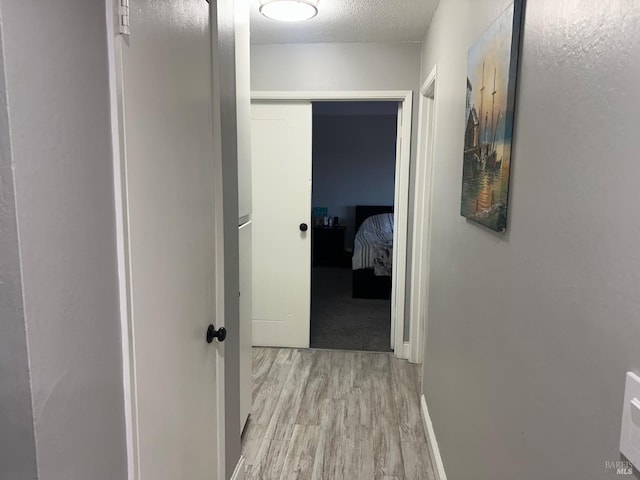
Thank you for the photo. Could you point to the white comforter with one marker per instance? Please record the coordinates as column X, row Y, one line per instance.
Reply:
column 373, row 245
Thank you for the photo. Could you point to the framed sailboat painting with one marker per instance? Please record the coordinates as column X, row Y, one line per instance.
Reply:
column 492, row 65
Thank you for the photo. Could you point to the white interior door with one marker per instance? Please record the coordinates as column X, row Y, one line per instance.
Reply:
column 281, row 176
column 166, row 93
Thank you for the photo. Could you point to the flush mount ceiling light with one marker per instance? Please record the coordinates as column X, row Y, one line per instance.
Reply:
column 289, row 10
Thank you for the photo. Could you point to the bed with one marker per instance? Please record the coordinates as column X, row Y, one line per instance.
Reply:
column 372, row 252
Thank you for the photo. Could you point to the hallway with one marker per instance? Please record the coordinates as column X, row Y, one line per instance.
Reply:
column 334, row 415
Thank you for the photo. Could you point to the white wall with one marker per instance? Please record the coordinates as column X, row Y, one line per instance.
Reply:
column 341, row 66
column 55, row 61
column 530, row 333
column 17, row 441
column 335, row 66
column 354, row 162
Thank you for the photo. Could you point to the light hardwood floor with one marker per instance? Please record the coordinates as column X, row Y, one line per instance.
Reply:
column 334, row 415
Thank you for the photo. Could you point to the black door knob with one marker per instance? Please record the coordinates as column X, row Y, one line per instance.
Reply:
column 304, row 227
column 212, row 333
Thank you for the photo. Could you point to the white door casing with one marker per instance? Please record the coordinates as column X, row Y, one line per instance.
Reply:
column 170, row 220
column 421, row 243
column 243, row 106
column 246, row 354
column 399, row 220
column 243, row 115
column 281, row 177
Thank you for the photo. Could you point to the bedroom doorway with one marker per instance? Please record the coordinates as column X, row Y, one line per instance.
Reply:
column 282, row 214
column 353, row 189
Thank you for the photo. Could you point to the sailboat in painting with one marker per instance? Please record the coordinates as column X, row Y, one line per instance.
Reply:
column 491, row 72
column 480, row 136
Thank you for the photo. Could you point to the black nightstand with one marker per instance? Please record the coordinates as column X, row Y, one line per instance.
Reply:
column 327, row 244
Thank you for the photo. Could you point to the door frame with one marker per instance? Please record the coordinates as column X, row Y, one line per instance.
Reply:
column 401, row 196
column 223, row 212
column 423, row 194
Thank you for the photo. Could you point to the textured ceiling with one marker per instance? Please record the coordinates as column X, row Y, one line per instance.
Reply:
column 349, row 21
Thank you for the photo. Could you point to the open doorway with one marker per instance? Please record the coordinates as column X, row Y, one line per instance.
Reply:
column 353, row 192
column 281, row 170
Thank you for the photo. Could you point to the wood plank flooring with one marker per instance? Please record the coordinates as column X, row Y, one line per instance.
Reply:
column 334, row 415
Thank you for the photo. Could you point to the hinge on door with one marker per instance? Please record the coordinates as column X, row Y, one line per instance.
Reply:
column 123, row 16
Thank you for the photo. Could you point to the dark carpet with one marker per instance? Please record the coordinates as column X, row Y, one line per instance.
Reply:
column 341, row 322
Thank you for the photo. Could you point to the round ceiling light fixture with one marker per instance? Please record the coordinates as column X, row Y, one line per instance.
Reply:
column 289, row 10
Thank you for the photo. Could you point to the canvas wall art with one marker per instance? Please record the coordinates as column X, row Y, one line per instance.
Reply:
column 492, row 66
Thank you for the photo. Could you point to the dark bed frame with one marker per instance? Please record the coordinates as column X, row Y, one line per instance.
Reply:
column 365, row 284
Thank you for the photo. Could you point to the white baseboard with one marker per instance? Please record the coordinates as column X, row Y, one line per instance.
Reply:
column 434, row 451
column 239, row 472
column 406, row 348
